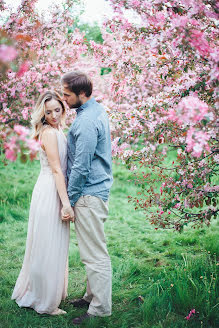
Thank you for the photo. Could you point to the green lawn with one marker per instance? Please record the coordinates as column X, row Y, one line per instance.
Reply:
column 158, row 276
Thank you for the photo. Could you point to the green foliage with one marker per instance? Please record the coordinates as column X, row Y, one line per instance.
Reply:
column 158, row 276
column 105, row 70
column 92, row 32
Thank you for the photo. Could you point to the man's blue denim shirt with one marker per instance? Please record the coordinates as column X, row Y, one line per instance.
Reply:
column 89, row 169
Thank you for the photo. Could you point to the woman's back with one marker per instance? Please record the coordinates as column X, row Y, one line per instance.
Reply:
column 62, row 148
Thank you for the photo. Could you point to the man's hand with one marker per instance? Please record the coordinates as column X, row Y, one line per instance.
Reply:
column 67, row 214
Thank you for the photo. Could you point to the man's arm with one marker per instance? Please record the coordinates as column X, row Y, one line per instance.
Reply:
column 85, row 144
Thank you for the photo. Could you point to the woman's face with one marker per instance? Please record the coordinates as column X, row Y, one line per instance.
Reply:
column 53, row 113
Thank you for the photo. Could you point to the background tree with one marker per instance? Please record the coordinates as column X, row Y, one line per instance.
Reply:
column 157, row 75
column 163, row 86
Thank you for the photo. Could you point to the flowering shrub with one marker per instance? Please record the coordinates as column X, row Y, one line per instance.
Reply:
column 19, row 144
column 156, row 76
column 163, row 86
column 33, row 56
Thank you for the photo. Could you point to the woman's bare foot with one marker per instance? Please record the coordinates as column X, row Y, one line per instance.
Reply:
column 58, row 312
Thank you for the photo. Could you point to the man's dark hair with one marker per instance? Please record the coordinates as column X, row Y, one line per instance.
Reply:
column 78, row 82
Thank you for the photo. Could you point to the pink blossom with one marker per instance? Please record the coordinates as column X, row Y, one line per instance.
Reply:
column 11, row 148
column 189, row 110
column 21, row 131
column 208, row 188
column 115, row 146
column 190, row 314
column 7, row 53
column 24, row 113
column 127, row 153
column 11, row 144
column 23, row 68
column 7, row 110
column 118, row 150
column 11, row 155
column 199, row 42
column 216, row 158
column 179, row 21
column 135, row 3
column 33, row 145
column 197, row 141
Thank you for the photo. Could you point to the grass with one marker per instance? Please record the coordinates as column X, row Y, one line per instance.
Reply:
column 158, row 276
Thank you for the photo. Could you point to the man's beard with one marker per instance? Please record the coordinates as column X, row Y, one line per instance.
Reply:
column 76, row 105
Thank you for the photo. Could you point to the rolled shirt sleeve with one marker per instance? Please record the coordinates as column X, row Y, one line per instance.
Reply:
column 85, row 135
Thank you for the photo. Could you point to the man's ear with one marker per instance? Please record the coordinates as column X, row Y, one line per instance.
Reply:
column 82, row 93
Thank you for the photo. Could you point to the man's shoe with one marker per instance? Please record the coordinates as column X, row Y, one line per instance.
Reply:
column 79, row 303
column 79, row 320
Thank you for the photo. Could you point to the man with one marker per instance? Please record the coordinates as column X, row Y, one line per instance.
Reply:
column 89, row 175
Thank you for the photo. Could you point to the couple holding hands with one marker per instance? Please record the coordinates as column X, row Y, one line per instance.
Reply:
column 73, row 185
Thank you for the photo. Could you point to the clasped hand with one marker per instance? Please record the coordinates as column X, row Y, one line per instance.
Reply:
column 68, row 214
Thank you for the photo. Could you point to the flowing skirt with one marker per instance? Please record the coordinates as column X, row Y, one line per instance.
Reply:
column 43, row 279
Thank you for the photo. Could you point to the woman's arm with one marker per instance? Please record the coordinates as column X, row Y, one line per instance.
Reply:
column 50, row 145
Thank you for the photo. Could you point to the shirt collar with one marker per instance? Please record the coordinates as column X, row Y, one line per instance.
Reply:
column 85, row 105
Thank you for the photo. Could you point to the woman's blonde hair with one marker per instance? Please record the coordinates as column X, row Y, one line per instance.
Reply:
column 38, row 120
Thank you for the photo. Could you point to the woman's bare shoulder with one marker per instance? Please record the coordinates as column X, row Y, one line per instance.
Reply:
column 48, row 131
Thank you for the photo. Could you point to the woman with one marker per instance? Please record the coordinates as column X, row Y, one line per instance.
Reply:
column 43, row 279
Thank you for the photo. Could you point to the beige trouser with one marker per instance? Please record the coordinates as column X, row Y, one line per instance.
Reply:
column 90, row 214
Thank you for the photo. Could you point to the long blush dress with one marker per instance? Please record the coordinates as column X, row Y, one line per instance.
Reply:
column 43, row 279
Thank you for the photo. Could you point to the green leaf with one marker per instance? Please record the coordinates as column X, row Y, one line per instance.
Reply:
column 105, row 70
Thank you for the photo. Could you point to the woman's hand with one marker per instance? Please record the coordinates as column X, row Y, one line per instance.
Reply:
column 68, row 213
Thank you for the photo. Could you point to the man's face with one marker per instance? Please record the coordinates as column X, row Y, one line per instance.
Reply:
column 70, row 97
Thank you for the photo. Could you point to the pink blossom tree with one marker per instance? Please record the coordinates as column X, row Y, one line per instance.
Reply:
column 163, row 87
column 33, row 55
column 160, row 91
